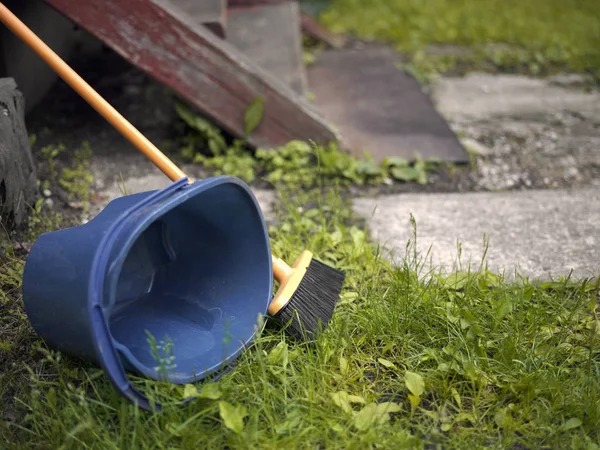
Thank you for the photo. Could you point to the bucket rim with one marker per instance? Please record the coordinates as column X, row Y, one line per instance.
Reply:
column 102, row 269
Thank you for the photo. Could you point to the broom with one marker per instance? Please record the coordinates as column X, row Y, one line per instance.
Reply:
column 309, row 289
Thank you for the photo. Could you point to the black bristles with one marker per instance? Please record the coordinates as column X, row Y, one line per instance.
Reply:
column 311, row 307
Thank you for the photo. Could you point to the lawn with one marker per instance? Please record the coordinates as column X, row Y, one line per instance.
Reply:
column 536, row 36
column 412, row 359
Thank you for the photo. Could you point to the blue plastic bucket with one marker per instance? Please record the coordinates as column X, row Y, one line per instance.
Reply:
column 190, row 263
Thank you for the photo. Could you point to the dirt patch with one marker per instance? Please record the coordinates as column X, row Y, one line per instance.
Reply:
column 559, row 151
column 64, row 117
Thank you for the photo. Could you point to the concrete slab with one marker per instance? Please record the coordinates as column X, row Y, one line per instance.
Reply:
column 527, row 132
column 212, row 14
column 480, row 96
column 539, row 234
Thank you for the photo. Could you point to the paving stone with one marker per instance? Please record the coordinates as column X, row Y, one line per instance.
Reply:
column 538, row 234
column 479, row 96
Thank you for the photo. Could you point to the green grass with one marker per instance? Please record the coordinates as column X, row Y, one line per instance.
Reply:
column 412, row 359
column 537, row 35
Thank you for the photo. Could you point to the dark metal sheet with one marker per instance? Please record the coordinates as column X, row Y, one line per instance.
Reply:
column 380, row 108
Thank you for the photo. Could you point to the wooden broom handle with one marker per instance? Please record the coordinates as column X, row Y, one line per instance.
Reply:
column 90, row 95
column 105, row 109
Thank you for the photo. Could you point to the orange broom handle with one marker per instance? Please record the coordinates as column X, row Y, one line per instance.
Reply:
column 90, row 95
column 281, row 270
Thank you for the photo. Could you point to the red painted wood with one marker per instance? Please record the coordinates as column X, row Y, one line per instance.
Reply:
column 203, row 69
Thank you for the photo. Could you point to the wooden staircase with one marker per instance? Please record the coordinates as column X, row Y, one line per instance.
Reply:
column 170, row 40
column 219, row 55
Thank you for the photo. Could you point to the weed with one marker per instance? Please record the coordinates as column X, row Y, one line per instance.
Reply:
column 74, row 178
column 165, row 361
column 41, row 219
column 253, row 115
column 32, row 140
column 427, row 68
column 11, row 273
column 206, row 134
column 50, row 153
column 77, row 178
column 401, row 169
column 122, row 186
column 297, row 163
column 235, row 160
column 15, row 333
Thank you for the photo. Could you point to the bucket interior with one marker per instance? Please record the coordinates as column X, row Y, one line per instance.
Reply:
column 196, row 278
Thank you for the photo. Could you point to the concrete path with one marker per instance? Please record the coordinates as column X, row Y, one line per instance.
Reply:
column 536, row 233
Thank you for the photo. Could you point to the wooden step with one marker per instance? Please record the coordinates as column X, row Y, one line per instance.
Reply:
column 269, row 34
column 208, row 72
column 210, row 13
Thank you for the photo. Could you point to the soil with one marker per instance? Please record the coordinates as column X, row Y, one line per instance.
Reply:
column 65, row 118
